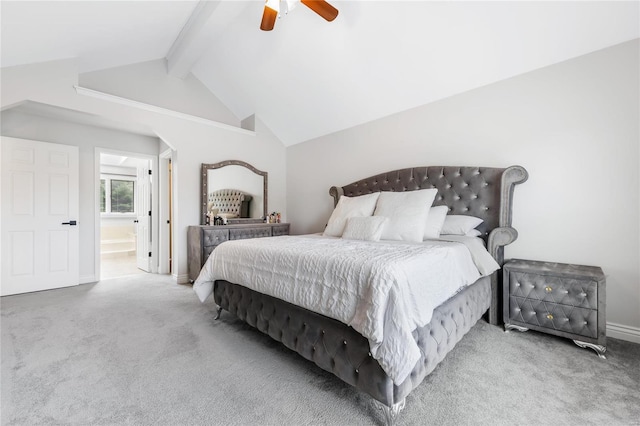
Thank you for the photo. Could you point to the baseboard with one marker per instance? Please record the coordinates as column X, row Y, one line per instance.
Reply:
column 86, row 279
column 623, row 332
column 182, row 278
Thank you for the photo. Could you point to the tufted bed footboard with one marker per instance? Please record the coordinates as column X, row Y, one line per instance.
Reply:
column 339, row 349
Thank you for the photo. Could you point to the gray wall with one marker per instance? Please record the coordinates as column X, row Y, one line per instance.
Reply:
column 573, row 126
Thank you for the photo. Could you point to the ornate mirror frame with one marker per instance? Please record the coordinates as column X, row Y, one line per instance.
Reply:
column 204, row 179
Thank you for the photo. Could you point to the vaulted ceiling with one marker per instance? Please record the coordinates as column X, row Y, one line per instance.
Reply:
column 308, row 77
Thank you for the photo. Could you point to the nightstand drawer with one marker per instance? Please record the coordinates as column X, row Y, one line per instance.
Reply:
column 582, row 293
column 569, row 319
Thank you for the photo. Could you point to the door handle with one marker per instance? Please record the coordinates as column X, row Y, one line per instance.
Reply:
column 71, row 222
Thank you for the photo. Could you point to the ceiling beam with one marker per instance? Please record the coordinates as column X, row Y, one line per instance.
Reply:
column 207, row 22
column 192, row 40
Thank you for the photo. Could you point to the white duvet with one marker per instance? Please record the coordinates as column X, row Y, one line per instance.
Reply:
column 384, row 289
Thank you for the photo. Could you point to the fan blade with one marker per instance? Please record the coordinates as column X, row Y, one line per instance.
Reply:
column 322, row 8
column 269, row 17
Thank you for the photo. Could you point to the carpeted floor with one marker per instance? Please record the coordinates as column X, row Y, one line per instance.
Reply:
column 141, row 350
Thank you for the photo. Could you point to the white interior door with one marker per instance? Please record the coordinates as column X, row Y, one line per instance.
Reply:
column 39, row 192
column 143, row 219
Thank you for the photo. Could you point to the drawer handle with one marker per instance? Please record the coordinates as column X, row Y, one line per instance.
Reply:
column 549, row 316
column 548, row 289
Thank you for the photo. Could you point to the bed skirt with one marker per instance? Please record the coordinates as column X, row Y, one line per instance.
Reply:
column 339, row 349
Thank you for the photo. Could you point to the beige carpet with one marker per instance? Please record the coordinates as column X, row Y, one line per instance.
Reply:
column 142, row 350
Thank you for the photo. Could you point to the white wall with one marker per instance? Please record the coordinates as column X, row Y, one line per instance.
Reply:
column 574, row 126
column 194, row 143
column 148, row 82
column 86, row 138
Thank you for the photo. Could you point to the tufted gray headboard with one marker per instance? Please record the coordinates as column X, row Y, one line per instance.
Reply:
column 484, row 192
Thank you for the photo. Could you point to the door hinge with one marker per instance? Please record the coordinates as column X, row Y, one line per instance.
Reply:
column 149, row 212
column 149, row 254
column 149, row 171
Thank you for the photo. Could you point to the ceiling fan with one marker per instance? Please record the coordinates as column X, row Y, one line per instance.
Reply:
column 272, row 9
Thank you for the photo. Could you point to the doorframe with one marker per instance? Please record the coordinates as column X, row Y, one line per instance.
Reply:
column 164, row 214
column 154, row 204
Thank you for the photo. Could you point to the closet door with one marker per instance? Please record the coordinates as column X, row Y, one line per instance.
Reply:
column 39, row 192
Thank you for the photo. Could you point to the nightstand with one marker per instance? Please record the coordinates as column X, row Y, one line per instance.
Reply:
column 556, row 298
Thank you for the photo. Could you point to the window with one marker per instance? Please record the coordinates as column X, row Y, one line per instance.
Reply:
column 117, row 194
column 103, row 202
column 121, row 196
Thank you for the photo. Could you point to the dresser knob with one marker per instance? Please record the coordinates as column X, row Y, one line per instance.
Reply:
column 548, row 289
column 549, row 316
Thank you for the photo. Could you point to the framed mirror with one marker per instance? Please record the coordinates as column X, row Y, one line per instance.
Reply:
column 233, row 189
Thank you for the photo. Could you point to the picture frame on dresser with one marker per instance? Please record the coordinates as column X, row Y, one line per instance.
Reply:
column 556, row 298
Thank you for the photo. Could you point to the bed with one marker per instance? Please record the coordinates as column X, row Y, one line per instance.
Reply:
column 333, row 345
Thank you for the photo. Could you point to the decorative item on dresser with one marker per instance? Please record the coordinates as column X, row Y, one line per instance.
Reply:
column 202, row 240
column 563, row 300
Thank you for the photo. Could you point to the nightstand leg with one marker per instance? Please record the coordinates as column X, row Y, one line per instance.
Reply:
column 218, row 313
column 600, row 350
column 508, row 327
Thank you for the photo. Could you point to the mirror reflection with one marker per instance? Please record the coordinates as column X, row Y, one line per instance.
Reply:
column 233, row 190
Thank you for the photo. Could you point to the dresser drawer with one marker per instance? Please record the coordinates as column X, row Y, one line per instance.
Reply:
column 278, row 230
column 243, row 233
column 581, row 293
column 213, row 237
column 577, row 321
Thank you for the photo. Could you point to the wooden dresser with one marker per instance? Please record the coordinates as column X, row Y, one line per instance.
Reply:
column 202, row 240
column 556, row 298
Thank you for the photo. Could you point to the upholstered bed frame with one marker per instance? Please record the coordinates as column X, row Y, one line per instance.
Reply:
column 478, row 191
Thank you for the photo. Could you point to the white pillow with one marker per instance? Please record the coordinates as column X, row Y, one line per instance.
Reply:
column 407, row 213
column 473, row 233
column 459, row 224
column 364, row 228
column 435, row 220
column 347, row 207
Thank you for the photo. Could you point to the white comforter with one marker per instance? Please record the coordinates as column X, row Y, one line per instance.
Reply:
column 384, row 290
